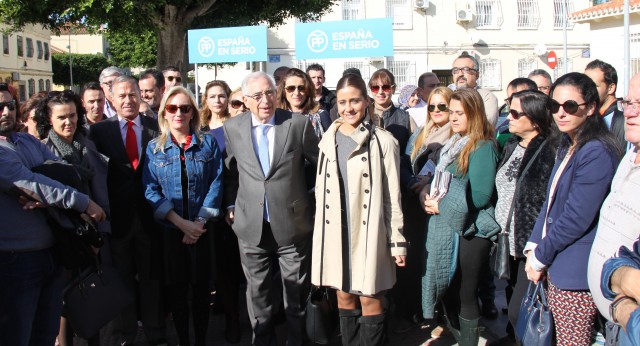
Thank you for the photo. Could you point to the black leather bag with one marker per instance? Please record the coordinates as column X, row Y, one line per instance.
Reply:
column 322, row 315
column 321, row 310
column 499, row 259
column 535, row 323
column 94, row 298
column 75, row 232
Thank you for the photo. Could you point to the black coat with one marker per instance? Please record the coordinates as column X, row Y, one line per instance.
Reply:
column 531, row 192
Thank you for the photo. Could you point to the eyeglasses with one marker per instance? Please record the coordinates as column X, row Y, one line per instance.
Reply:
column 174, row 108
column 544, row 88
column 465, row 69
column 623, row 105
column 171, row 78
column 235, row 104
column 441, row 107
column 291, row 88
column 570, row 106
column 435, row 85
column 258, row 96
column 386, row 88
column 11, row 105
column 516, row 115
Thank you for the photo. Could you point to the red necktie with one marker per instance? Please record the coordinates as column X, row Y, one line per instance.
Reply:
column 131, row 144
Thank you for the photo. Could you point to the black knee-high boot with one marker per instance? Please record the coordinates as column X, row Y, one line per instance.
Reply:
column 349, row 327
column 372, row 330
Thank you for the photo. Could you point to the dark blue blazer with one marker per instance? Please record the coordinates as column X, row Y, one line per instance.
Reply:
column 573, row 217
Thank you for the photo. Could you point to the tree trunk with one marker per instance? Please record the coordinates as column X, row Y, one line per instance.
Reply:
column 172, row 40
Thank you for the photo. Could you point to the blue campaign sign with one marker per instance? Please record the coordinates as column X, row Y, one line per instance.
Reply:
column 236, row 44
column 344, row 39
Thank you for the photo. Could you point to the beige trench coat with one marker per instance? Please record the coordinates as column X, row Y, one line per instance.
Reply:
column 376, row 215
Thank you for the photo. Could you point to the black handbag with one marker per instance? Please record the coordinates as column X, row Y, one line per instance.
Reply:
column 499, row 257
column 321, row 310
column 94, row 298
column 322, row 315
column 535, row 323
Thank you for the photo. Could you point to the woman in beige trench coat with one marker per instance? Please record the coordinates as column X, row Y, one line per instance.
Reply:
column 358, row 225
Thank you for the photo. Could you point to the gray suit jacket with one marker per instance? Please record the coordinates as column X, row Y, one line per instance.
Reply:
column 290, row 206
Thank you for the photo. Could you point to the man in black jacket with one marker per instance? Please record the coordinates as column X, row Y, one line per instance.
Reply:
column 323, row 96
column 606, row 79
column 123, row 139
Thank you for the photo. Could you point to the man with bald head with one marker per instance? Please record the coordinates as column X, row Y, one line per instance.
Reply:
column 619, row 225
column 466, row 72
column 123, row 139
column 269, row 207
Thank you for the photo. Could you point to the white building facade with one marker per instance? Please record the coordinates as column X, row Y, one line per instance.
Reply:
column 25, row 61
column 428, row 35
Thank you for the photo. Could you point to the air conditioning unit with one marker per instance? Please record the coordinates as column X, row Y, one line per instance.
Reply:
column 464, row 16
column 421, row 4
column 373, row 60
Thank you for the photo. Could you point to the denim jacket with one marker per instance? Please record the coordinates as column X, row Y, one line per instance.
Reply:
column 162, row 178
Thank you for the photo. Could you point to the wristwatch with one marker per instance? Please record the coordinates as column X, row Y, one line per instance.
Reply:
column 201, row 219
column 614, row 305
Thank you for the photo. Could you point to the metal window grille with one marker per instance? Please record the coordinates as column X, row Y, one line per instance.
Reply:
column 360, row 65
column 561, row 11
column 29, row 48
column 528, row 14
column 47, row 85
column 32, row 87
column 404, row 72
column 526, row 65
column 5, row 44
column 559, row 70
column 46, row 51
column 303, row 64
column 39, row 47
column 41, row 85
column 634, row 53
column 352, row 9
column 400, row 13
column 488, row 14
column 490, row 74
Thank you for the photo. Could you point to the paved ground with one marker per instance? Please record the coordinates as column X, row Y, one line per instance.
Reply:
column 416, row 336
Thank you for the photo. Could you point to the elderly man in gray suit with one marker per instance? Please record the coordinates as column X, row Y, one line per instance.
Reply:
column 270, row 208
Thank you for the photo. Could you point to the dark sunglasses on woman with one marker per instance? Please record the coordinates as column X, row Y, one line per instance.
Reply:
column 235, row 104
column 570, row 106
column 386, row 88
column 516, row 115
column 291, row 88
column 174, row 108
column 441, row 107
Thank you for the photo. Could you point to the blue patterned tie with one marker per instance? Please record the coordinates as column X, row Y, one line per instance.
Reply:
column 263, row 149
column 265, row 162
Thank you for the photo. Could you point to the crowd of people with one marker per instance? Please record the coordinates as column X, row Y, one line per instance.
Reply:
column 394, row 207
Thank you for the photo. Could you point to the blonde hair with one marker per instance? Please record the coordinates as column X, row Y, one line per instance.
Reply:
column 430, row 124
column 478, row 127
column 194, row 123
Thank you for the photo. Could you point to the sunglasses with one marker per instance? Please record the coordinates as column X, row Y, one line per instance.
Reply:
column 235, row 104
column 173, row 109
column 516, row 115
column 171, row 78
column 441, row 107
column 570, row 106
column 292, row 88
column 386, row 88
column 11, row 105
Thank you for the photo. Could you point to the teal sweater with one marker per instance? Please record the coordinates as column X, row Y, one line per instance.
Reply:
column 444, row 229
